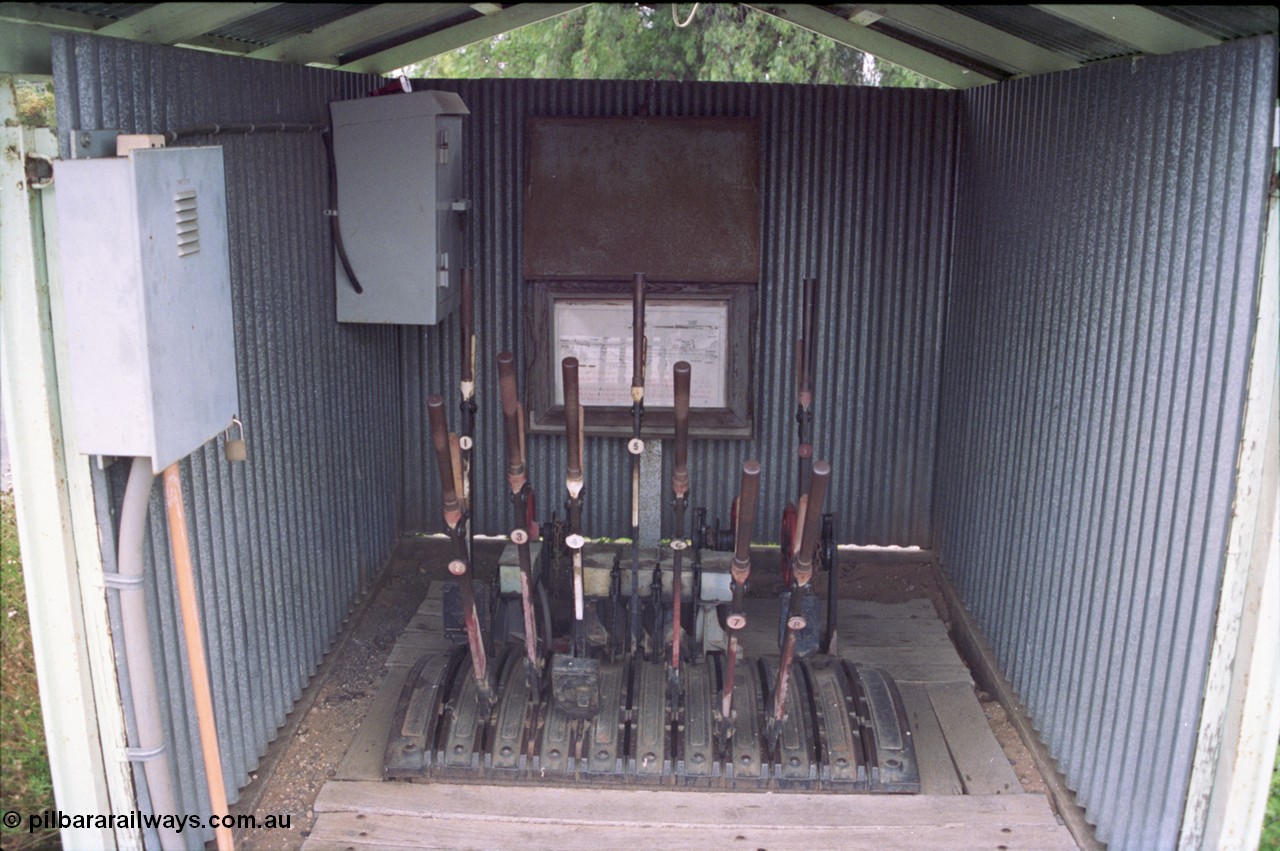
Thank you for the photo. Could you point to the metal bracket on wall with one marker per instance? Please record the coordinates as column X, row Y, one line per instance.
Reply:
column 101, row 144
column 92, row 144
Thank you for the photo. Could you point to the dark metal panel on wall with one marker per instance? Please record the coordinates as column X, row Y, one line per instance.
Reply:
column 857, row 189
column 1098, row 334
column 284, row 542
column 678, row 198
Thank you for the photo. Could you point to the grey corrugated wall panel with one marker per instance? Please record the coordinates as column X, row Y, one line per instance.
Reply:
column 284, row 542
column 857, row 188
column 1099, row 325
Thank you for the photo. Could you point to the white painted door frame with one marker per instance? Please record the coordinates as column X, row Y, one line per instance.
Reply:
column 57, row 524
column 1240, row 716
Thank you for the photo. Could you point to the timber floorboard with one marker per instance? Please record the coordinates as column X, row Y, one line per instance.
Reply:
column 369, row 815
column 970, row 797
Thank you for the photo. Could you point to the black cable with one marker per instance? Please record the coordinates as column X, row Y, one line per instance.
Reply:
column 281, row 127
column 335, row 230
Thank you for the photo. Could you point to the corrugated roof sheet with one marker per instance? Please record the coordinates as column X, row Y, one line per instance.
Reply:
column 1048, row 31
column 1080, row 42
column 286, row 20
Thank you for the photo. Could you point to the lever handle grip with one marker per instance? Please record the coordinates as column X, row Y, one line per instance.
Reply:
column 813, row 510
column 569, row 371
column 468, row 325
column 680, row 471
column 510, row 414
column 808, row 332
column 748, row 496
column 637, row 326
column 444, row 457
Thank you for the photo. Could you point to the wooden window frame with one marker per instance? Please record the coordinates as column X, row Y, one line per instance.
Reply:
column 734, row 421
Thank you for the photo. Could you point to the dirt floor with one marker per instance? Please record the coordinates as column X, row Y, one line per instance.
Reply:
column 316, row 736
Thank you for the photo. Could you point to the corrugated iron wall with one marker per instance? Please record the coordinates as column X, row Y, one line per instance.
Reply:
column 857, row 188
column 283, row 542
column 1097, row 344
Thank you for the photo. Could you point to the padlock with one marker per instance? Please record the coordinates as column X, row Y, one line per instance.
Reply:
column 234, row 449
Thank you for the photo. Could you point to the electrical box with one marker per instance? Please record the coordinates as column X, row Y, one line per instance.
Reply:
column 146, row 275
column 402, row 217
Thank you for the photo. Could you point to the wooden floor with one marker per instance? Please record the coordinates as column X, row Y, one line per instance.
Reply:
column 970, row 797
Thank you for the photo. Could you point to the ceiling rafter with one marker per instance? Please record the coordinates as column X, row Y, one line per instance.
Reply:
column 818, row 20
column 35, row 13
column 468, row 32
column 325, row 45
column 1148, row 31
column 174, row 23
column 970, row 36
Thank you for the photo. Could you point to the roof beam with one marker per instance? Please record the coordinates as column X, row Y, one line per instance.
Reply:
column 25, row 50
column 217, row 44
column 35, row 13
column 42, row 19
column 836, row 28
column 323, row 45
column 975, row 37
column 170, row 23
column 1149, row 32
column 468, row 32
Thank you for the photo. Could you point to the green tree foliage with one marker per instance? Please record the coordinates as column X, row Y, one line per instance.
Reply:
column 35, row 103
column 1271, row 818
column 634, row 41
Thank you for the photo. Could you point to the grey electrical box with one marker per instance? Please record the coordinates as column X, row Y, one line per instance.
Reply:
column 401, row 211
column 147, row 283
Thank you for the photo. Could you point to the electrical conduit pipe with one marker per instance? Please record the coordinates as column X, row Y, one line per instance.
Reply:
column 149, row 748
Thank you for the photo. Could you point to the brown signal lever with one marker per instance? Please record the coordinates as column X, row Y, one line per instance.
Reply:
column 803, row 568
column 748, row 496
column 468, row 331
column 573, row 484
column 635, row 447
column 680, row 471
column 521, row 494
column 802, row 573
column 572, row 425
column 467, row 384
column 516, row 473
column 444, row 459
column 808, row 336
column 459, row 566
column 680, row 488
column 637, row 330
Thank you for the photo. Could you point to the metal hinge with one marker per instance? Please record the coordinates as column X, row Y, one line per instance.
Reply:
column 39, row 171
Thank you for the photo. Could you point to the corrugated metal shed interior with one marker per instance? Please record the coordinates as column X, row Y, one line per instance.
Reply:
column 1101, row 312
column 1100, row 223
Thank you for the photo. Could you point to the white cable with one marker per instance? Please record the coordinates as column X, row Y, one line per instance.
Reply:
column 675, row 19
